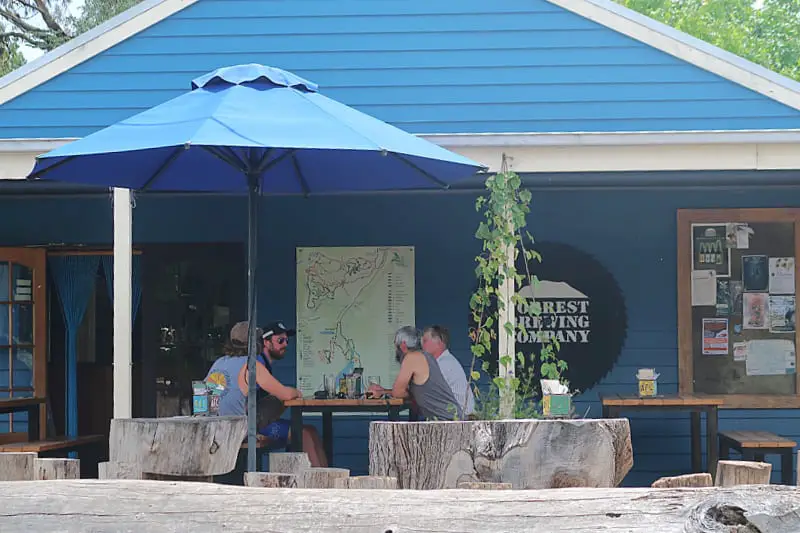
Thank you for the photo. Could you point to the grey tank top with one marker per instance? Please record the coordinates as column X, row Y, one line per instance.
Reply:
column 225, row 372
column 435, row 398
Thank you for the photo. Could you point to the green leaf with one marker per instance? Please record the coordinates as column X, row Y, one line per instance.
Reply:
column 476, row 375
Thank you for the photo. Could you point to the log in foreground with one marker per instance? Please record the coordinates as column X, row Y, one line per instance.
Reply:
column 529, row 454
column 178, row 446
column 152, row 506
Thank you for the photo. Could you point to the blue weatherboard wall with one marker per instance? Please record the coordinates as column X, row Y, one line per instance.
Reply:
column 438, row 66
column 631, row 232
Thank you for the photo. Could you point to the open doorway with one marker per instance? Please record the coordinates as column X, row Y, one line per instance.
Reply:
column 191, row 296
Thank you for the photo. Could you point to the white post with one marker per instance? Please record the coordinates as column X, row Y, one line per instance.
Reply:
column 506, row 343
column 123, row 308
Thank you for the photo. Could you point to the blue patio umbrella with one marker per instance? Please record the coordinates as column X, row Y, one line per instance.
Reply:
column 253, row 129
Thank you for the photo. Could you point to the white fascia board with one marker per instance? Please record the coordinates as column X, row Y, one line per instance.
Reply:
column 562, row 152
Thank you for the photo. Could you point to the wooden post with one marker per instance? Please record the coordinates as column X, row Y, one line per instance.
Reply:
column 109, row 470
column 271, row 480
column 366, row 482
column 686, row 480
column 17, row 466
column 45, row 469
column 321, row 478
column 477, row 485
column 506, row 344
column 123, row 303
column 179, row 446
column 288, row 462
column 732, row 473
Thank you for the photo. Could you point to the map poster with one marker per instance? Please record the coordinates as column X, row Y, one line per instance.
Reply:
column 350, row 303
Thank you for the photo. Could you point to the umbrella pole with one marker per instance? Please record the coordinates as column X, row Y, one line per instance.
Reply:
column 252, row 342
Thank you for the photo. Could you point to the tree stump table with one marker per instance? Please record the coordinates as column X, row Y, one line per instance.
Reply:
column 190, row 448
column 529, row 454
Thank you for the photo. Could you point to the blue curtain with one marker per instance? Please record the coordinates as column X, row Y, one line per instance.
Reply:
column 136, row 281
column 74, row 277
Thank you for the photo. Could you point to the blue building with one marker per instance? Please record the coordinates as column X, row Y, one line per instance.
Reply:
column 615, row 121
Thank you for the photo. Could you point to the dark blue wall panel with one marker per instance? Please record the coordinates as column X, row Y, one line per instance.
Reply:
column 631, row 232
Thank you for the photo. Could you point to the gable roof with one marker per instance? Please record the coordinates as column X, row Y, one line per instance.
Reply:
column 604, row 12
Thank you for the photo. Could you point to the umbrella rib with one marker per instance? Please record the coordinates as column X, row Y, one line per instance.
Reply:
column 421, row 171
column 219, row 154
column 300, row 177
column 171, row 159
column 229, row 152
column 51, row 167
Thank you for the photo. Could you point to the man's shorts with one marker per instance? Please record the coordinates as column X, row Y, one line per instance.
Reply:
column 277, row 432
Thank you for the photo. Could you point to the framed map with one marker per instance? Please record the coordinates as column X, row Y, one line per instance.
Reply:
column 350, row 302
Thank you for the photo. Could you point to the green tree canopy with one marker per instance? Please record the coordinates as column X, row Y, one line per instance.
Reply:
column 768, row 35
column 47, row 24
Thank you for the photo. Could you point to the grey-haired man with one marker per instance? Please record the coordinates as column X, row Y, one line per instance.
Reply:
column 421, row 379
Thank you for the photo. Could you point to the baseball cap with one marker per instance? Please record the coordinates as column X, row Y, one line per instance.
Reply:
column 239, row 333
column 276, row 328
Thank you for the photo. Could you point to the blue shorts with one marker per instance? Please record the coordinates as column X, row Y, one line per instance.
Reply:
column 277, row 432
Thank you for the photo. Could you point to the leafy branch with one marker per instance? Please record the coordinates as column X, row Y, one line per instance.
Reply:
column 505, row 209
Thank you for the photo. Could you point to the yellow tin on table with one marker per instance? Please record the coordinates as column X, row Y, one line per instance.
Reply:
column 648, row 382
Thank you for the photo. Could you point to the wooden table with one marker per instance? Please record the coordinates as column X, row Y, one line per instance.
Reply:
column 391, row 406
column 31, row 405
column 614, row 404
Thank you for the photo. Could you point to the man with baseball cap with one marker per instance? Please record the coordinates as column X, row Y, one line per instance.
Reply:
column 230, row 371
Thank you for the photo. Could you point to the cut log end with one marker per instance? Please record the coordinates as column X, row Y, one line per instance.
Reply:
column 45, row 469
column 17, row 466
column 321, row 478
column 686, row 480
column 178, row 446
column 288, row 462
column 365, row 482
column 272, row 480
column 529, row 454
column 111, row 470
column 733, row 473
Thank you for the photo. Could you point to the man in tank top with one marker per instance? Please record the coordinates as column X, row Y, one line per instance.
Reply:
column 420, row 379
column 230, row 371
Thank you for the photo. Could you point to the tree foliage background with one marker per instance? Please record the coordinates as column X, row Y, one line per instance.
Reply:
column 766, row 33
column 47, row 24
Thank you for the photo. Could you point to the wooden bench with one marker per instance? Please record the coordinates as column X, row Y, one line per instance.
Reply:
column 50, row 445
column 754, row 445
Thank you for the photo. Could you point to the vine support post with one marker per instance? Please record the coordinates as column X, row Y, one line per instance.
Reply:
column 506, row 326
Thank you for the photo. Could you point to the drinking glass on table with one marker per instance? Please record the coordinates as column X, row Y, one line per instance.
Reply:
column 329, row 381
column 374, row 381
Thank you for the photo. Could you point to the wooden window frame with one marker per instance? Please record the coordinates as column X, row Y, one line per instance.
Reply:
column 687, row 217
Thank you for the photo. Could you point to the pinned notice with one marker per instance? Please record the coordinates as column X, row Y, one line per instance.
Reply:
column 704, row 288
column 770, row 357
column 715, row 336
column 781, row 275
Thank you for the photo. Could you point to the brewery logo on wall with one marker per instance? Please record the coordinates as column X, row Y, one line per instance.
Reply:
column 582, row 307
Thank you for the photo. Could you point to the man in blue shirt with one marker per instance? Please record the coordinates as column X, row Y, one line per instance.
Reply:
column 230, row 371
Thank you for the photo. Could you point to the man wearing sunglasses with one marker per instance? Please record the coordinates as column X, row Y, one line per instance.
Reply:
column 271, row 392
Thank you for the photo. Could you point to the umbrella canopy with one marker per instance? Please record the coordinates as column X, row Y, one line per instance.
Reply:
column 253, row 129
column 258, row 121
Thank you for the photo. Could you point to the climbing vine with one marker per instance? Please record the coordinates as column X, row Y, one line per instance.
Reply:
column 505, row 207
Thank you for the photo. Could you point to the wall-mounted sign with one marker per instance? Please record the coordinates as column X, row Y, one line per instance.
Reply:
column 582, row 307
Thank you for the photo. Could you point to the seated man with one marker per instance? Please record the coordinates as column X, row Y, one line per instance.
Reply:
column 420, row 379
column 436, row 341
column 233, row 400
